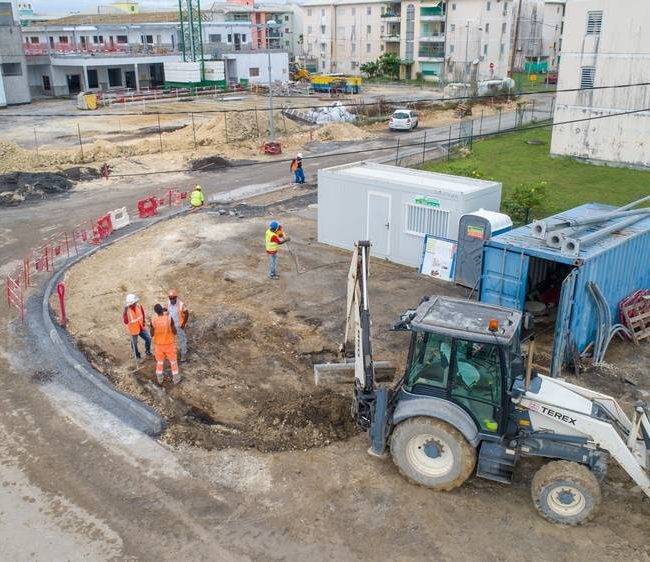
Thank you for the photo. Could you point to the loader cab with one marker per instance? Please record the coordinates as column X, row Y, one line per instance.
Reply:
column 466, row 353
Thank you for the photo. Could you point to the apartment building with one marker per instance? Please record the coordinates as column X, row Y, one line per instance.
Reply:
column 478, row 39
column 342, row 35
column 13, row 65
column 604, row 45
column 553, row 20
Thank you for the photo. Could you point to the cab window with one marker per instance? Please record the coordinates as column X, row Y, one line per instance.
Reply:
column 430, row 361
column 476, row 382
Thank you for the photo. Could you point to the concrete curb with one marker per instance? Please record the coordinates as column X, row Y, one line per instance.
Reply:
column 97, row 388
column 56, row 343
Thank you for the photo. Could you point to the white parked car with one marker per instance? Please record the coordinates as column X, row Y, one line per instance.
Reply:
column 403, row 120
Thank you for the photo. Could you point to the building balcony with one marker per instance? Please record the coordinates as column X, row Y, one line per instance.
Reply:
column 390, row 37
column 391, row 17
column 432, row 17
column 436, row 38
column 431, row 54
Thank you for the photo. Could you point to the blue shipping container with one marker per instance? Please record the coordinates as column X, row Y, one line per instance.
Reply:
column 619, row 264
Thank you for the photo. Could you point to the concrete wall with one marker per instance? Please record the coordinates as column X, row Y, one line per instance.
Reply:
column 16, row 88
column 244, row 62
column 620, row 54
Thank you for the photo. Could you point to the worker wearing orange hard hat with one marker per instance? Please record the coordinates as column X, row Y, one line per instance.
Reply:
column 180, row 315
column 163, row 332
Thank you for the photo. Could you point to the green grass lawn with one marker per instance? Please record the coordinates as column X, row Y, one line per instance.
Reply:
column 508, row 159
column 524, row 84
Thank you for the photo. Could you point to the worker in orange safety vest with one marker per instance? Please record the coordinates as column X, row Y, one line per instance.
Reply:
column 134, row 319
column 163, row 332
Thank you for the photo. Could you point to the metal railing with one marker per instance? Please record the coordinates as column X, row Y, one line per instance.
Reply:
column 431, row 53
column 117, row 49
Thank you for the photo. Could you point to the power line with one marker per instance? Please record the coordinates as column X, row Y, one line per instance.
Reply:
column 352, row 104
column 398, row 146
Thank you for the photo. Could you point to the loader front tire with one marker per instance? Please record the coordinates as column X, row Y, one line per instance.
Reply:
column 566, row 492
column 432, row 453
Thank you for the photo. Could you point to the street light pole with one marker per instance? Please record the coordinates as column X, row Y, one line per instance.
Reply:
column 271, row 120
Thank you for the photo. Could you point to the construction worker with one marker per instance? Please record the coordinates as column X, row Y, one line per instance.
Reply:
column 134, row 320
column 274, row 237
column 296, row 168
column 196, row 197
column 180, row 315
column 163, row 332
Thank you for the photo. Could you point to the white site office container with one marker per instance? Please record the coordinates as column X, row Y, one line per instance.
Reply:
column 396, row 207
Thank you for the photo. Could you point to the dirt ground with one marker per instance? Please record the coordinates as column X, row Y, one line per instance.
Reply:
column 248, row 381
column 248, row 417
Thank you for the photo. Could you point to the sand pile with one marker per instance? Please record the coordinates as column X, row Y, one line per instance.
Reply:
column 341, row 132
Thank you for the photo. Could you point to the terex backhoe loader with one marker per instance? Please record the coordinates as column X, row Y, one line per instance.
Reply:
column 468, row 403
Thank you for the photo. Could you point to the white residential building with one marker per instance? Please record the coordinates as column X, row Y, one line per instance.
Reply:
column 553, row 19
column 342, row 34
column 604, row 43
column 14, row 87
column 478, row 39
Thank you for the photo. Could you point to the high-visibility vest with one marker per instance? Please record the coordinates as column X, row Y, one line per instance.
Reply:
column 271, row 247
column 162, row 329
column 196, row 199
column 135, row 319
column 294, row 165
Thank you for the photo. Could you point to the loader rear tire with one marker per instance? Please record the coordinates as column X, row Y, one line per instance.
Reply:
column 432, row 453
column 566, row 492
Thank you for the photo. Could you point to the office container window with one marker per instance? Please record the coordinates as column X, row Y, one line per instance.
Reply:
column 368, row 29
column 487, row 6
column 451, row 49
column 12, row 69
column 34, row 40
column 421, row 220
column 63, row 39
column 214, row 38
column 504, row 25
column 485, row 49
column 368, row 47
column 594, row 22
column 253, row 71
column 453, row 6
column 587, row 75
column 487, row 28
column 122, row 39
column 369, row 11
column 452, row 27
column 502, row 49
column 322, row 29
column 230, row 38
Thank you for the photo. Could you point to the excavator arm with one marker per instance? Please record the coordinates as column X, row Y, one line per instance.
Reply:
column 358, row 322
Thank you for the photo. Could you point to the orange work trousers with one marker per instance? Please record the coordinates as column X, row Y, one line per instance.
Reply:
column 165, row 351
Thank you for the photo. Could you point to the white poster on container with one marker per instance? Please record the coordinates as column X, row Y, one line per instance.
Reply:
column 438, row 258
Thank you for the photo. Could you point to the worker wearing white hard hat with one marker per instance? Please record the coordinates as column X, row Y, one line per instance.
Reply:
column 134, row 320
column 296, row 168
